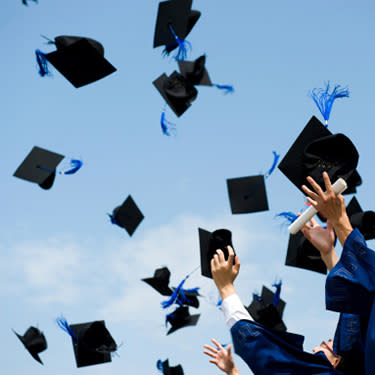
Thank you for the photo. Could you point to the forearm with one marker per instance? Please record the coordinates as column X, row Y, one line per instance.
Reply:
column 342, row 228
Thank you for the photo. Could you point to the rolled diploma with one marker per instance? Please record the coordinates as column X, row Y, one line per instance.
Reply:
column 338, row 187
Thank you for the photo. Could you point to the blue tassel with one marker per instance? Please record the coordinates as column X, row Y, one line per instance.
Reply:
column 183, row 47
column 274, row 164
column 226, row 88
column 219, row 302
column 174, row 295
column 75, row 165
column 276, row 297
column 159, row 365
column 168, row 128
column 256, row 297
column 42, row 63
column 63, row 324
column 288, row 215
column 324, row 100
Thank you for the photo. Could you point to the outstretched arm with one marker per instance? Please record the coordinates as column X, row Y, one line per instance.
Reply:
column 222, row 358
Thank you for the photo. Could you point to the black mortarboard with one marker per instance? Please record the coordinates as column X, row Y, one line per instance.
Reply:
column 177, row 91
column 39, row 166
column 209, row 243
column 363, row 221
column 192, row 20
column 80, row 60
column 34, row 341
column 195, row 71
column 302, row 254
column 127, row 216
column 316, row 150
column 93, row 345
column 175, row 370
column 181, row 318
column 264, row 312
column 172, row 14
column 160, row 281
column 247, row 194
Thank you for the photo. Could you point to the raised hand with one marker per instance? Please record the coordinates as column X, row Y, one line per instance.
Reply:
column 222, row 357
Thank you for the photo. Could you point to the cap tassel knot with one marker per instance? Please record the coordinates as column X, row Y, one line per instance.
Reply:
column 227, row 89
column 63, row 324
column 42, row 63
column 276, row 297
column 324, row 100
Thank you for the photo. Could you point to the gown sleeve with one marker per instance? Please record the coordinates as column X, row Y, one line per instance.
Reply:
column 350, row 289
column 269, row 352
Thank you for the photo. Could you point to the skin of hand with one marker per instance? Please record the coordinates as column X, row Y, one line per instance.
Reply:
column 222, row 358
column 224, row 272
column 323, row 240
column 332, row 206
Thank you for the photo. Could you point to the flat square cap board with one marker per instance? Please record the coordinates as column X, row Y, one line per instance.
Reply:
column 316, row 150
column 39, row 165
column 160, row 281
column 247, row 194
column 181, row 318
column 195, row 71
column 81, row 62
column 128, row 215
column 173, row 14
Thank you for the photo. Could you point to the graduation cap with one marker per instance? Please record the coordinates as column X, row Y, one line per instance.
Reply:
column 167, row 370
column 316, row 150
column 34, row 341
column 302, row 254
column 247, row 194
column 160, row 281
column 175, row 20
column 190, row 297
column 209, row 243
column 192, row 20
column 267, row 311
column 177, row 91
column 39, row 166
column 196, row 73
column 127, row 216
column 92, row 342
column 79, row 59
column 181, row 318
column 363, row 221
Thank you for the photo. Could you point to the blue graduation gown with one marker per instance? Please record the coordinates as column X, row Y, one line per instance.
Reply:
column 350, row 289
column 268, row 352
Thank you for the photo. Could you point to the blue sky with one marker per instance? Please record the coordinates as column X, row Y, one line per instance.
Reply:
column 58, row 251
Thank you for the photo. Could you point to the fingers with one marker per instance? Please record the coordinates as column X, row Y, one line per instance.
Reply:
column 209, row 354
column 210, row 348
column 313, row 222
column 314, row 203
column 237, row 264
column 220, row 256
column 217, row 344
column 229, row 350
column 327, row 183
column 315, row 186
column 309, row 192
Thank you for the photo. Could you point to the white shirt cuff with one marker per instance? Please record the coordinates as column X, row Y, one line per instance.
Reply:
column 234, row 310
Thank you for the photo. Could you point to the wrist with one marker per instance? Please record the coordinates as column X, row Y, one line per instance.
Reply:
column 330, row 259
column 226, row 291
column 234, row 371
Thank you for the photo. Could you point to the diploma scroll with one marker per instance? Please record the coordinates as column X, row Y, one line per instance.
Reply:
column 338, row 187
